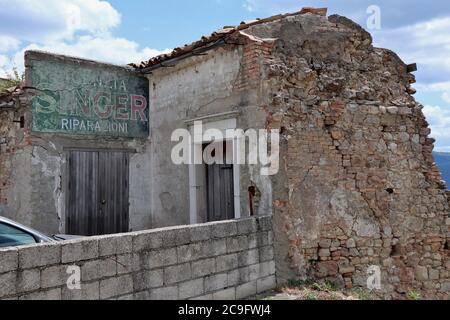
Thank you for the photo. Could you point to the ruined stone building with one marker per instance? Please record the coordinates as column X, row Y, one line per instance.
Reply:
column 357, row 185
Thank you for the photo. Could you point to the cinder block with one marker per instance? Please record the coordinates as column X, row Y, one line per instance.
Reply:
column 253, row 271
column 124, row 244
column 147, row 240
column 223, row 229
column 106, row 246
column 262, row 270
column 246, row 290
column 115, row 244
column 267, row 269
column 28, row 280
column 265, row 238
column 159, row 258
column 248, row 258
column 54, row 276
column 178, row 273
column 227, row 294
column 252, row 241
column 264, row 223
column 127, row 263
column 116, row 286
column 236, row 244
column 226, row 263
column 8, row 284
column 142, row 296
column 216, row 282
column 270, row 237
column 88, row 291
column 233, row 278
column 127, row 297
column 98, row 269
column 166, row 293
column 200, row 233
column 191, row 289
column 175, row 237
column 203, row 267
column 206, row 297
column 39, row 255
column 238, row 276
column 266, row 284
column 191, row 252
column 266, row 254
column 9, row 259
column 79, row 250
column 148, row 279
column 246, row 226
column 46, row 295
column 215, row 248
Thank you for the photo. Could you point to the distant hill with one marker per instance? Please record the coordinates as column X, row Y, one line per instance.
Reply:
column 443, row 162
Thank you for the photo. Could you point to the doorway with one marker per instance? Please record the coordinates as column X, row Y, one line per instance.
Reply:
column 220, row 188
column 97, row 192
column 211, row 188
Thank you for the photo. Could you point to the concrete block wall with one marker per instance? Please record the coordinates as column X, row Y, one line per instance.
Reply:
column 223, row 260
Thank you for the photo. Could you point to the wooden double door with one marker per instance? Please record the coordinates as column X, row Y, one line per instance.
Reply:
column 97, row 192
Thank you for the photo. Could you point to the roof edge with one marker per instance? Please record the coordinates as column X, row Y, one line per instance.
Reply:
column 186, row 51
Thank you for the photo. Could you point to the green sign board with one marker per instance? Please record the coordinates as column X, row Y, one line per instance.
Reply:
column 79, row 98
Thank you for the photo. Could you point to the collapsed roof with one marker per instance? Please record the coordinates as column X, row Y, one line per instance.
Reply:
column 218, row 37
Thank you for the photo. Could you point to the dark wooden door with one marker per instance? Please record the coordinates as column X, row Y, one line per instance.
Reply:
column 98, row 198
column 220, row 192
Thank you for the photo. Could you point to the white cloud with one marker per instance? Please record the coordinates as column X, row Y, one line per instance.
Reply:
column 37, row 21
column 442, row 149
column 446, row 97
column 270, row 5
column 106, row 49
column 250, row 5
column 434, row 87
column 439, row 119
column 3, row 61
column 81, row 28
column 426, row 43
column 8, row 43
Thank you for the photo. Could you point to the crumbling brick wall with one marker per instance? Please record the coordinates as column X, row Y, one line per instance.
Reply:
column 358, row 185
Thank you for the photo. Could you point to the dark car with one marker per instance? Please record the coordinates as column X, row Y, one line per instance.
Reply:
column 14, row 234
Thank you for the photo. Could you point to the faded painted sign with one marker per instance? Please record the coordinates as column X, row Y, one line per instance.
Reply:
column 73, row 98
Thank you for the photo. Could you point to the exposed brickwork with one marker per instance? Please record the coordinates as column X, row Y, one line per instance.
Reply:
column 359, row 187
column 254, row 55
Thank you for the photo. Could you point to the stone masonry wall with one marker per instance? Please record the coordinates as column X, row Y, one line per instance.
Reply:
column 358, row 185
column 225, row 260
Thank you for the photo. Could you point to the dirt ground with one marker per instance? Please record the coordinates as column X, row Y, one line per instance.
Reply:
column 301, row 290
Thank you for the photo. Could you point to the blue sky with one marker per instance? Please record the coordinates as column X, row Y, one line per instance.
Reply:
column 120, row 31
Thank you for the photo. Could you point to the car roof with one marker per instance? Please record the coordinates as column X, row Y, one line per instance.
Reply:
column 24, row 228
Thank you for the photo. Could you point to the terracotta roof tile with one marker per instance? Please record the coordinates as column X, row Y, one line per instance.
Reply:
column 220, row 35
